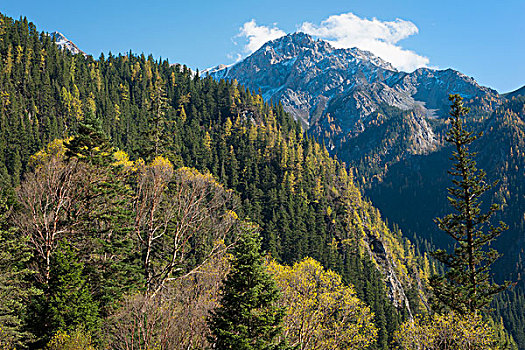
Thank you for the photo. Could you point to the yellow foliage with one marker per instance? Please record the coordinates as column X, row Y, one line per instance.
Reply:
column 448, row 331
column 122, row 160
column 161, row 162
column 55, row 148
column 5, row 340
column 75, row 340
column 228, row 127
column 207, row 141
column 91, row 104
column 193, row 174
column 322, row 312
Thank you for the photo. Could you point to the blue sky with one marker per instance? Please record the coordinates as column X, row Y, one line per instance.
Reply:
column 483, row 39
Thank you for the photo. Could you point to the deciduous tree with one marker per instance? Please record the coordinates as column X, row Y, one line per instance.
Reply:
column 322, row 312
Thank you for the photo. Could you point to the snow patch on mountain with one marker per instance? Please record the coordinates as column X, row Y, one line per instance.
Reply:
column 65, row 44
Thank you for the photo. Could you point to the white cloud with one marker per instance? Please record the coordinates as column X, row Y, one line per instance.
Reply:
column 235, row 57
column 346, row 31
column 258, row 35
column 381, row 38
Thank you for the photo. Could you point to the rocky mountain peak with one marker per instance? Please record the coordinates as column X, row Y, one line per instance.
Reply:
column 65, row 44
column 296, row 44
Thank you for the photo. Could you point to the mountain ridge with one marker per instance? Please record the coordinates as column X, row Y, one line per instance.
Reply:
column 307, row 74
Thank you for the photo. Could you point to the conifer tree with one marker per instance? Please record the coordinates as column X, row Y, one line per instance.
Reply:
column 157, row 106
column 108, row 221
column 69, row 304
column 466, row 287
column 249, row 317
column 90, row 144
column 14, row 289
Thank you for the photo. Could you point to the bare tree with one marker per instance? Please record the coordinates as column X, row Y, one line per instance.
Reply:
column 49, row 198
column 180, row 215
column 175, row 318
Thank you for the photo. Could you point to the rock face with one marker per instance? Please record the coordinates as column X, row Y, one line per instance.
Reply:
column 312, row 79
column 65, row 44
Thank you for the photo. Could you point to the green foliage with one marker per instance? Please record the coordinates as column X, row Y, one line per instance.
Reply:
column 14, row 275
column 466, row 286
column 248, row 316
column 108, row 222
column 69, row 303
column 90, row 144
column 500, row 153
column 509, row 307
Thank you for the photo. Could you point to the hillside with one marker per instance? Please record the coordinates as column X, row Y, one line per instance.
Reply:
column 389, row 127
column 385, row 123
column 304, row 201
column 515, row 93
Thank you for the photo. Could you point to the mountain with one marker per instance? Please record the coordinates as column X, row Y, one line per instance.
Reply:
column 66, row 44
column 380, row 121
column 389, row 126
column 516, row 93
column 311, row 79
column 337, row 94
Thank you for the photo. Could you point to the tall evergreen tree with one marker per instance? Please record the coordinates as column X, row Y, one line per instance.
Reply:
column 108, row 222
column 467, row 286
column 70, row 304
column 248, row 317
column 14, row 276
column 90, row 144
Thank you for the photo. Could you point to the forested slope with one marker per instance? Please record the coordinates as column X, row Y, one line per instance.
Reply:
column 304, row 201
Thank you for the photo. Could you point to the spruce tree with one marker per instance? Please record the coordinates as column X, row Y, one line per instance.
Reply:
column 467, row 286
column 69, row 302
column 248, row 317
column 108, row 223
column 14, row 275
column 90, row 144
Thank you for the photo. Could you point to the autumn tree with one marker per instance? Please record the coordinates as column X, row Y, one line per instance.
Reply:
column 322, row 312
column 49, row 197
column 72, row 340
column 466, row 286
column 175, row 318
column 448, row 331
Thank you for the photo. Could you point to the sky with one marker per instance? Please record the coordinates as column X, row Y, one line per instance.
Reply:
column 482, row 39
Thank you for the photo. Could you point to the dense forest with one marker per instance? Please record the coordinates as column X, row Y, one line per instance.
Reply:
column 394, row 165
column 130, row 186
column 391, row 182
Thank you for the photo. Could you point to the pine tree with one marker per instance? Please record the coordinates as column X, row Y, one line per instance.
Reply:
column 248, row 317
column 109, row 220
column 14, row 289
column 90, row 144
column 157, row 106
column 66, row 303
column 69, row 302
column 466, row 287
